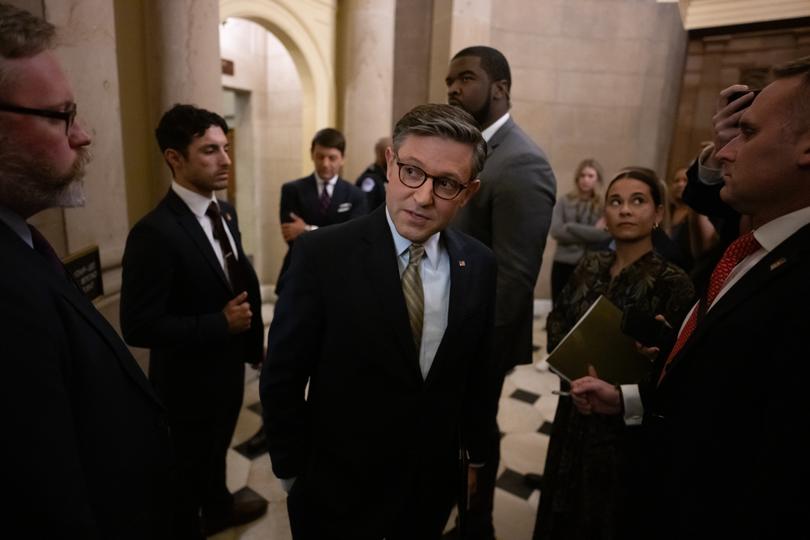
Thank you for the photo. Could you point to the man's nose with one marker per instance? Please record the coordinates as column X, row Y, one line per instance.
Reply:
column 423, row 195
column 77, row 136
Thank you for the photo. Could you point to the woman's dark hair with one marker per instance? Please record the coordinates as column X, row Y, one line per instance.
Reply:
column 642, row 174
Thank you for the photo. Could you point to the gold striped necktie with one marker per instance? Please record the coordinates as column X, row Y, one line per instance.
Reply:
column 412, row 289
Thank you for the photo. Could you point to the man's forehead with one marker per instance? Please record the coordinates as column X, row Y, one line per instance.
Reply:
column 465, row 63
column 438, row 156
column 212, row 135
column 37, row 81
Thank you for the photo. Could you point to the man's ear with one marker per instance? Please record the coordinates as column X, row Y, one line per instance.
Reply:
column 803, row 149
column 173, row 158
column 472, row 189
column 500, row 90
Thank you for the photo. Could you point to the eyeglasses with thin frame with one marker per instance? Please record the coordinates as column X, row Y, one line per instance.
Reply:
column 69, row 116
column 443, row 187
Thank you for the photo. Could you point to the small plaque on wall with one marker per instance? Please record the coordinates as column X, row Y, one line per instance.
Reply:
column 227, row 66
column 85, row 269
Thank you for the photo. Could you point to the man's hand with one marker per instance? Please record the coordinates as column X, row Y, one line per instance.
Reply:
column 292, row 230
column 726, row 120
column 238, row 313
column 593, row 395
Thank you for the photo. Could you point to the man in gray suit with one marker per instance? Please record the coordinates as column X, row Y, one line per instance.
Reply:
column 511, row 214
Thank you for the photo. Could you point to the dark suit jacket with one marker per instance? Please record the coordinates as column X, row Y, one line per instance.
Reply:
column 87, row 453
column 172, row 296
column 730, row 449
column 301, row 197
column 511, row 213
column 370, row 425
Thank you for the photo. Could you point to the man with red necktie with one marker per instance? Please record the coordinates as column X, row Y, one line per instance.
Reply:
column 727, row 450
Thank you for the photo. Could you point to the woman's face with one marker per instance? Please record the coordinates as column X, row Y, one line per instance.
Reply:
column 677, row 184
column 587, row 180
column 630, row 212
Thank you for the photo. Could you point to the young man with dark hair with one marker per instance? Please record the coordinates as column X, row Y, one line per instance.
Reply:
column 87, row 451
column 511, row 215
column 320, row 199
column 371, row 451
column 190, row 294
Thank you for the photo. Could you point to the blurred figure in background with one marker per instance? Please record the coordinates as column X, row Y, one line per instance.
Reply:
column 372, row 181
column 577, row 223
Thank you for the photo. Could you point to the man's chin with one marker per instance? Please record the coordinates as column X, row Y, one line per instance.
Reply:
column 72, row 196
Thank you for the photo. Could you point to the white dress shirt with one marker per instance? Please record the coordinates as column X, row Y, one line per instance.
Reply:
column 329, row 184
column 434, row 269
column 198, row 206
column 494, row 127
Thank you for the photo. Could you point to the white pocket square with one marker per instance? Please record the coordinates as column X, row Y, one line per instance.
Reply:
column 344, row 207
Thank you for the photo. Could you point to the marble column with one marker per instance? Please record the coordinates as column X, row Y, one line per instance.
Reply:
column 183, row 61
column 366, row 78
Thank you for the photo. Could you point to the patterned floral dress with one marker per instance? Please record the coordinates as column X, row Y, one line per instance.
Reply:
column 590, row 466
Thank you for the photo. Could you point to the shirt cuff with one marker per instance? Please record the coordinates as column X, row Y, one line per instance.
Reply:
column 708, row 175
column 633, row 408
column 309, row 228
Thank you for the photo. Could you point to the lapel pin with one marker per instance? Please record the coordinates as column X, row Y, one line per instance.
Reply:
column 228, row 216
column 461, row 263
column 777, row 263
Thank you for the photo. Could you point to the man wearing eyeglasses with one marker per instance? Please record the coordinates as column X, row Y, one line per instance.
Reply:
column 91, row 452
column 371, row 451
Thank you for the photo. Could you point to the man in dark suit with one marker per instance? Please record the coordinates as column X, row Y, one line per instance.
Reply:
column 372, row 450
column 190, row 295
column 87, row 451
column 511, row 215
column 728, row 454
column 320, row 199
column 372, row 181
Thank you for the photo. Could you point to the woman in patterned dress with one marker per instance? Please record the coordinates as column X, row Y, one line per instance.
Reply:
column 589, row 467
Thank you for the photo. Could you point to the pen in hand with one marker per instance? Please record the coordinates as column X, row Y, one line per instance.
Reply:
column 560, row 393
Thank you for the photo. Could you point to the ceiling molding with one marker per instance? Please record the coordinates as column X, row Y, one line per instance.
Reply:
column 700, row 14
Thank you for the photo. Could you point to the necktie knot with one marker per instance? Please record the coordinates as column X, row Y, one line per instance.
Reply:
column 738, row 250
column 415, row 253
column 213, row 211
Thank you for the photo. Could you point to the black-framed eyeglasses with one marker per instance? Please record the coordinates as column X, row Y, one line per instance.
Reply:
column 69, row 116
column 444, row 188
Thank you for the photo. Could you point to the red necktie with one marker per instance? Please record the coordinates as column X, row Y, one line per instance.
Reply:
column 739, row 249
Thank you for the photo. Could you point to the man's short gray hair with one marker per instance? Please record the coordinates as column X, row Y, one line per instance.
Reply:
column 447, row 122
column 22, row 35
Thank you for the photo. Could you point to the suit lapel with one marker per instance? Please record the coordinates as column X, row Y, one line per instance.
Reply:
column 774, row 265
column 309, row 196
column 382, row 273
column 82, row 305
column 188, row 221
column 500, row 136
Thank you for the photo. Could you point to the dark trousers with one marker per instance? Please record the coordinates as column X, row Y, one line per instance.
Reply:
column 560, row 274
column 201, row 447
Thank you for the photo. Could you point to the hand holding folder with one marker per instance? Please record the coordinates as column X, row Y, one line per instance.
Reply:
column 597, row 340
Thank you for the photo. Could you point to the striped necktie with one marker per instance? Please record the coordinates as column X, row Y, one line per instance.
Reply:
column 414, row 295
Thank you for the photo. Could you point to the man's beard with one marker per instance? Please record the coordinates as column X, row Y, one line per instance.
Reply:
column 482, row 114
column 28, row 185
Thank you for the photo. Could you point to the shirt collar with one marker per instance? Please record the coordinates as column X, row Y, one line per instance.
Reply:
column 490, row 131
column 331, row 182
column 401, row 244
column 196, row 202
column 778, row 230
column 17, row 224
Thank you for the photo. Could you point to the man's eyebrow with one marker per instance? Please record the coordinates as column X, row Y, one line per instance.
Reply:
column 458, row 75
column 417, row 163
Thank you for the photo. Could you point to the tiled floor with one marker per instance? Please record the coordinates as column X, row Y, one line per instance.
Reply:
column 526, row 411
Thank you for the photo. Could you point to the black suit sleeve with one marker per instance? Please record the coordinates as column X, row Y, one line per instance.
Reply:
column 288, row 203
column 149, row 269
column 293, row 349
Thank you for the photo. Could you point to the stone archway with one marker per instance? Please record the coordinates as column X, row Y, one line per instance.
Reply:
column 307, row 31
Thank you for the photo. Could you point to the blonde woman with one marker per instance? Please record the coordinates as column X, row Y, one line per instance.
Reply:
column 577, row 224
